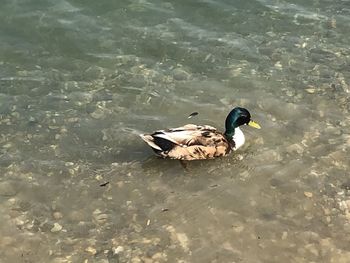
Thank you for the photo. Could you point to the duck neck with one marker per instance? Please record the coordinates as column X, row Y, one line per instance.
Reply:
column 229, row 133
column 236, row 137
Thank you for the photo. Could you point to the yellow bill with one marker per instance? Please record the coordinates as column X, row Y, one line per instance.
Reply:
column 254, row 124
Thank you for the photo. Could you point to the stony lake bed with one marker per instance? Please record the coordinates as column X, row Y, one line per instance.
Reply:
column 79, row 80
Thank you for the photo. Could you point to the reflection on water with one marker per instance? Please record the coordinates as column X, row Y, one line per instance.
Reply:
column 79, row 80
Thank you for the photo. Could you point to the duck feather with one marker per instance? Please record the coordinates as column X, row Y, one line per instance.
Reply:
column 189, row 142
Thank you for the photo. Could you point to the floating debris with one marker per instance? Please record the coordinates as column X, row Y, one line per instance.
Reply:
column 207, row 57
column 104, row 184
column 192, row 115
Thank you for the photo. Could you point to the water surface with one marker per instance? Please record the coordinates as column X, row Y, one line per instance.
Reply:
column 79, row 80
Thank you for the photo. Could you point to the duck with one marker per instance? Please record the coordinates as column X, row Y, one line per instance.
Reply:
column 200, row 142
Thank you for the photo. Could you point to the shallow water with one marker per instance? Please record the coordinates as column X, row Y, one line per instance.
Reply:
column 79, row 80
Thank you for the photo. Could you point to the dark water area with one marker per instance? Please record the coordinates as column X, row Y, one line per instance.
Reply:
column 79, row 80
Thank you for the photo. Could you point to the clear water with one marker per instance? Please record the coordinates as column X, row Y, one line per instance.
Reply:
column 80, row 79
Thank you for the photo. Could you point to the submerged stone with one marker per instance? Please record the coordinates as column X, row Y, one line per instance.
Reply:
column 56, row 228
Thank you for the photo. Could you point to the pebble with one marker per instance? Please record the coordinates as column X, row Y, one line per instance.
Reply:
column 57, row 215
column 147, row 260
column 347, row 202
column 160, row 257
column 238, row 228
column 308, row 194
column 7, row 241
column 91, row 250
column 310, row 90
column 295, row 148
column 312, row 249
column 341, row 258
column 120, row 184
column 284, row 235
column 136, row 260
column 325, row 242
column 290, row 93
column 56, row 228
column 77, row 216
column 32, row 119
column 236, row 72
column 98, row 177
column 118, row 249
column 7, row 145
column 100, row 217
column 98, row 114
column 181, row 238
column 19, row 222
column 180, row 74
column 309, row 235
column 60, row 260
column 7, row 189
column 278, row 65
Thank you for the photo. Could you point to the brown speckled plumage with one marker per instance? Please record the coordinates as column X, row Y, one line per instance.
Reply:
column 189, row 142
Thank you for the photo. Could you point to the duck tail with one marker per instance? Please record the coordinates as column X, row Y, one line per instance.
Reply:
column 150, row 141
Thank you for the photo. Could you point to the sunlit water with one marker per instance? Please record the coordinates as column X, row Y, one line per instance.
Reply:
column 79, row 80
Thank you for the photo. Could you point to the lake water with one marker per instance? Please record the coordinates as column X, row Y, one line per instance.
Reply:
column 79, row 80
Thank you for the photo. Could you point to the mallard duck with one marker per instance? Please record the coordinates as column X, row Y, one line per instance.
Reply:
column 195, row 142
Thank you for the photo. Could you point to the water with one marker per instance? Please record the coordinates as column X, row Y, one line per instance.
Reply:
column 80, row 79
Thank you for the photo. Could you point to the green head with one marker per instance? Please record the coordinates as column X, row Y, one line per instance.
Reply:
column 237, row 117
